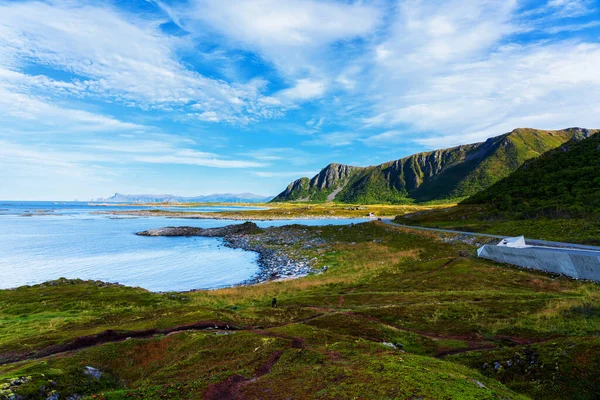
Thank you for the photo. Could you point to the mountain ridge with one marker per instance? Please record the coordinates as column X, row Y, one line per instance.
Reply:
column 169, row 198
column 453, row 173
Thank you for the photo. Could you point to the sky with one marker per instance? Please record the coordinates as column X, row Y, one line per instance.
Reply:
column 192, row 97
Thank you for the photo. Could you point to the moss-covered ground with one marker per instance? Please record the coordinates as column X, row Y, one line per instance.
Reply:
column 396, row 314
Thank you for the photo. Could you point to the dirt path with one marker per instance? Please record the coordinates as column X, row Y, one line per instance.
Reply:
column 474, row 342
column 110, row 336
column 231, row 388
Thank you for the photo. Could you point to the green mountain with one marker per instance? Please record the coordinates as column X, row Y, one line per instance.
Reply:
column 453, row 173
column 564, row 180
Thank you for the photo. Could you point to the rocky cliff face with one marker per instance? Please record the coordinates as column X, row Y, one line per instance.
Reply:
column 456, row 172
column 330, row 179
column 333, row 175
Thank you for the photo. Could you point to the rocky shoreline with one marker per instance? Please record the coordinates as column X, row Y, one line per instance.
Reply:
column 224, row 231
column 280, row 254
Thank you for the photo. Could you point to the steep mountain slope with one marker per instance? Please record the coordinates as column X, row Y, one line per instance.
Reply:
column 564, row 179
column 452, row 173
column 322, row 187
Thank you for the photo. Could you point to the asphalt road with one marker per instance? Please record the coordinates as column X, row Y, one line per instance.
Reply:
column 534, row 242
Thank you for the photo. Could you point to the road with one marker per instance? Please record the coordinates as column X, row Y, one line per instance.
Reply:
column 534, row 242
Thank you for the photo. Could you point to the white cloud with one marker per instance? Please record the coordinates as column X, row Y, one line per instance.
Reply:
column 273, row 25
column 386, row 138
column 431, row 72
column 427, row 34
column 315, row 123
column 294, row 35
column 349, row 77
column 305, row 89
column 544, row 86
column 116, row 57
column 164, row 149
column 21, row 109
column 292, row 174
column 291, row 156
column 572, row 27
column 192, row 157
column 209, row 116
column 290, row 23
column 334, row 139
column 571, row 8
column 446, row 75
column 80, row 154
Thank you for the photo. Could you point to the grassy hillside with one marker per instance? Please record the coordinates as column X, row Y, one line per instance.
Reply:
column 486, row 219
column 566, row 180
column 397, row 314
column 446, row 174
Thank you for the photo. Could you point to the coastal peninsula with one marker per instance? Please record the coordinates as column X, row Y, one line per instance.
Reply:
column 280, row 251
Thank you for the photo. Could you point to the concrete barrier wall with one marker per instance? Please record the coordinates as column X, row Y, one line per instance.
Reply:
column 577, row 264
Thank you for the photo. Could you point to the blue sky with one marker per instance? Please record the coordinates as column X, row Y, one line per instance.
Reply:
column 201, row 96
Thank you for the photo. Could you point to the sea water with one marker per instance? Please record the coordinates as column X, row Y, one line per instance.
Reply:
column 41, row 241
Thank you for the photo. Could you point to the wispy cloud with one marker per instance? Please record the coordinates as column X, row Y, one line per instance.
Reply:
column 511, row 88
column 291, row 174
column 121, row 58
column 571, row 8
column 304, row 89
column 167, row 150
column 287, row 155
column 334, row 139
column 386, row 138
column 276, row 87
column 192, row 157
column 572, row 27
column 447, row 74
column 295, row 36
column 22, row 109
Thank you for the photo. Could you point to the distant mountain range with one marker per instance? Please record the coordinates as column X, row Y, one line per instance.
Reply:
column 453, row 173
column 563, row 181
column 169, row 198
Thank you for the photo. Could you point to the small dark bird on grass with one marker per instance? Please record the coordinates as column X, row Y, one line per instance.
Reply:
column 274, row 303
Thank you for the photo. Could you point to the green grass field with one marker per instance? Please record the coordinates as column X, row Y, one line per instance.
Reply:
column 397, row 314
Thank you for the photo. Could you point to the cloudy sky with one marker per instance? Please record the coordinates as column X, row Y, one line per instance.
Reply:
column 193, row 97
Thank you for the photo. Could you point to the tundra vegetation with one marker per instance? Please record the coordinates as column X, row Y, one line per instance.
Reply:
column 397, row 313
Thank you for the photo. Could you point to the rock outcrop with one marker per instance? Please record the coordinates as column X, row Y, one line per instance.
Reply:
column 277, row 256
column 330, row 180
column 237, row 229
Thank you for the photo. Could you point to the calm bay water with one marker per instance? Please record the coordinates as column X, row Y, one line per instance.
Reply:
column 44, row 241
